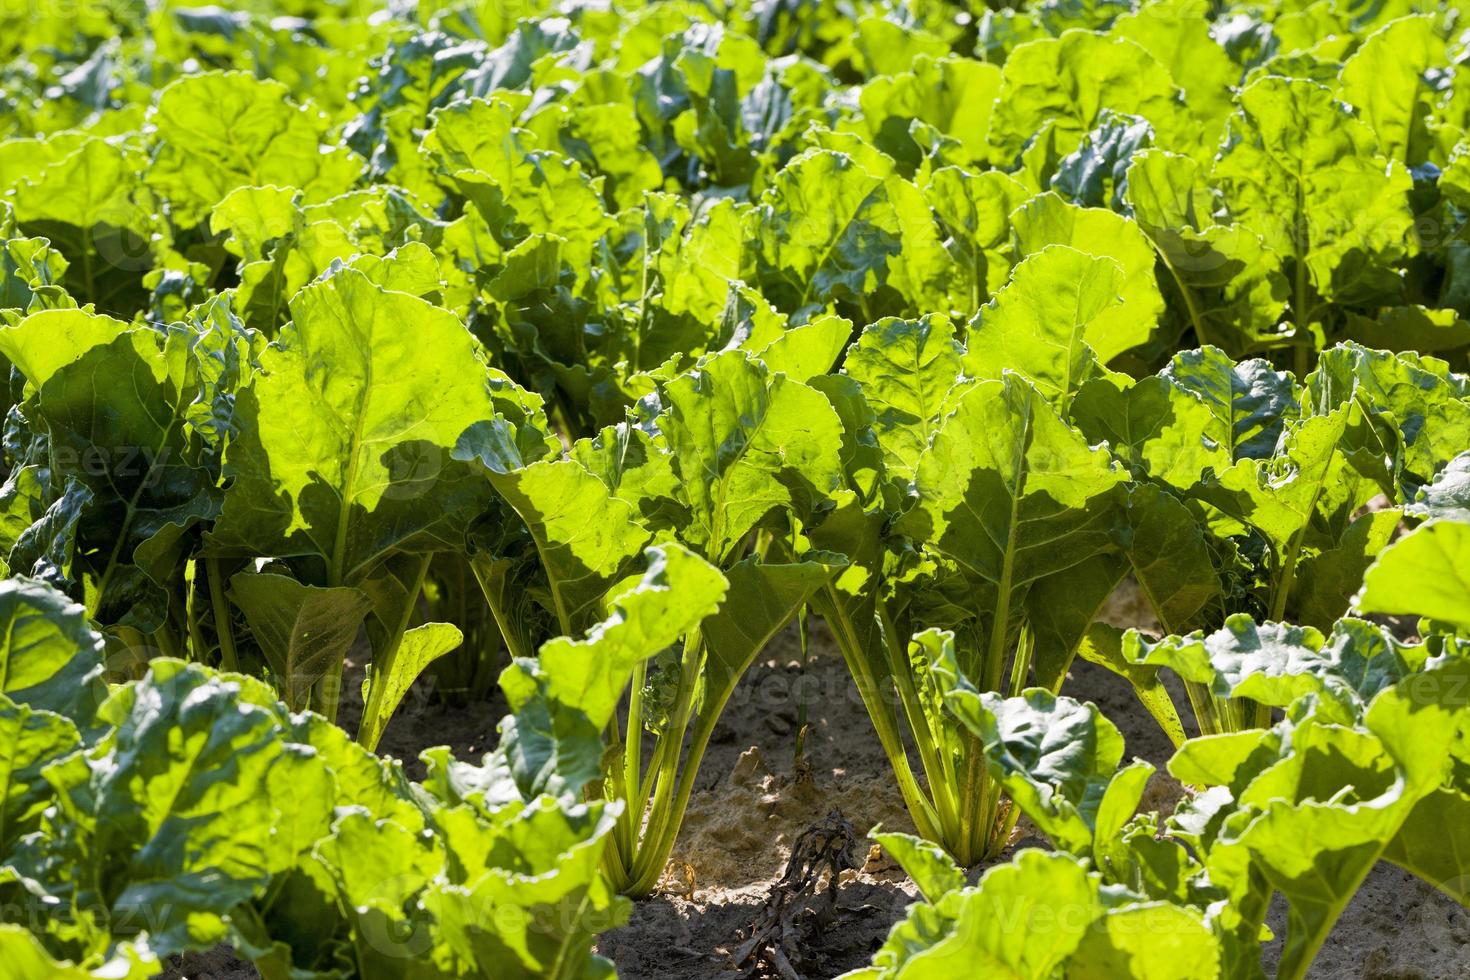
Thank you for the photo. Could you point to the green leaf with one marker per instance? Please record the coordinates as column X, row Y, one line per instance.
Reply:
column 984, row 928
column 585, row 535
column 88, row 202
column 1044, row 323
column 1297, row 499
column 1434, row 843
column 1068, row 81
column 525, row 895
column 1050, row 220
column 1054, row 756
column 116, row 424
column 33, row 740
column 193, row 805
column 1447, row 495
column 1010, row 494
column 905, row 369
column 1425, row 573
column 1388, row 80
column 828, row 230
column 51, row 660
column 516, row 187
column 351, row 465
column 1162, row 431
column 219, row 131
column 932, row 870
column 563, row 700
column 975, row 210
column 954, row 95
column 1148, row 941
column 1301, row 172
column 44, row 342
column 1413, row 410
column 745, row 445
column 1178, row 36
column 1222, row 282
column 304, row 631
column 1249, row 399
column 22, row 957
column 389, row 677
column 1330, row 578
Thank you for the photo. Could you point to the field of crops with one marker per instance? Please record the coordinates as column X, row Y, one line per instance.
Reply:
column 514, row 489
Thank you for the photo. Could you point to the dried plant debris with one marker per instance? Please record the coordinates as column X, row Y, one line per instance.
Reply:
column 797, row 908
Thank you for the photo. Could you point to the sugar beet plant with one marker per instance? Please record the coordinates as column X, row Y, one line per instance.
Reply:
column 1366, row 757
column 359, row 353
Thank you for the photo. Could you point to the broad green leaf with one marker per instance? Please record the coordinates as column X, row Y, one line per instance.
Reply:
column 562, row 700
column 33, row 739
column 585, row 535
column 1434, row 843
column 1164, row 432
column 47, row 341
column 1295, row 499
column 975, row 210
column 1148, row 941
column 350, row 465
column 1322, row 816
column 523, row 894
column 1095, row 173
column 23, row 957
column 933, row 871
column 1425, row 573
column 51, row 659
column 1249, row 399
column 1177, row 34
column 808, row 351
column 1044, row 322
column 985, row 928
column 1068, row 81
column 905, row 369
column 1271, row 663
column 223, row 130
column 115, row 421
column 1011, row 494
column 829, row 230
column 1409, row 328
column 746, row 444
column 1414, row 411
column 954, row 95
column 1054, row 756
column 32, row 274
column 1387, row 80
column 88, row 202
column 1301, row 172
column 173, row 839
column 1170, row 557
column 1330, row 578
column 1219, row 280
column 1447, row 495
column 305, row 631
column 517, row 188
column 1050, row 220
column 389, row 677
